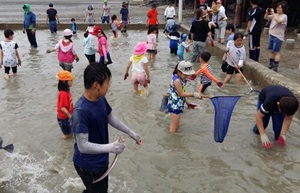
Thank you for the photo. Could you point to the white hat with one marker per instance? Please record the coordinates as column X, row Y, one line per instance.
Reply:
column 186, row 68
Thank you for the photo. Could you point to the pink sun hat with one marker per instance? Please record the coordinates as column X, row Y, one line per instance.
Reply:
column 140, row 48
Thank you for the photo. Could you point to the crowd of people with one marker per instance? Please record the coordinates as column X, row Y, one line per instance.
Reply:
column 88, row 119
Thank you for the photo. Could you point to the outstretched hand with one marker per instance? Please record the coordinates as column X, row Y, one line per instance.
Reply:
column 265, row 141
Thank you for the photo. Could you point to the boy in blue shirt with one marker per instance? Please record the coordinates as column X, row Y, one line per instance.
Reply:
column 90, row 119
column 29, row 25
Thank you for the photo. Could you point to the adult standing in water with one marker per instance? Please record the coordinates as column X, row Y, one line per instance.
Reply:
column 280, row 103
column 29, row 25
column 52, row 18
column 91, row 117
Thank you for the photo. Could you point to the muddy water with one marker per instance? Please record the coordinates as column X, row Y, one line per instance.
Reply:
column 186, row 162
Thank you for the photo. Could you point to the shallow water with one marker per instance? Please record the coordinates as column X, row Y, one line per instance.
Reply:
column 186, row 162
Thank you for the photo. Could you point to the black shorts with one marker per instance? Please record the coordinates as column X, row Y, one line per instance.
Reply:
column 254, row 40
column 231, row 70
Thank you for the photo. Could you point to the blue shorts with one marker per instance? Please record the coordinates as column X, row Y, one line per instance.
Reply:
column 177, row 112
column 274, row 44
column 65, row 125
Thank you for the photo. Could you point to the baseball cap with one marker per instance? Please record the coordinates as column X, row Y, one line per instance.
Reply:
column 50, row 4
column 64, row 75
column 186, row 68
column 96, row 29
column 67, row 32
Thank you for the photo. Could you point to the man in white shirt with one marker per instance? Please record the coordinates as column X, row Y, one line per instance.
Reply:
column 169, row 11
column 106, row 12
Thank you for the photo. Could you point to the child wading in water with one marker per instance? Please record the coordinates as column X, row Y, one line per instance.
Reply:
column 74, row 26
column 177, row 92
column 90, row 44
column 66, row 52
column 183, row 46
column 102, row 46
column 151, row 41
column 115, row 25
column 64, row 102
column 9, row 54
column 89, row 15
column 205, row 70
column 140, row 71
column 236, row 50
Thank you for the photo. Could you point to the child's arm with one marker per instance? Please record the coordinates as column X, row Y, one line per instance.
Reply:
column 1, row 58
column 66, row 112
column 127, row 69
column 147, row 72
column 118, row 124
column 181, row 93
column 18, row 57
column 208, row 74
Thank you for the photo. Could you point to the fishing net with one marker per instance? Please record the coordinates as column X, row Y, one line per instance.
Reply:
column 224, row 106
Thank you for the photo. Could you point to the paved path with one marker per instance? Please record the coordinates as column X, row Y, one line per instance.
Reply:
column 12, row 12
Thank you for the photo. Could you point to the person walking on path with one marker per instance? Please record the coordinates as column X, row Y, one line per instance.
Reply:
column 29, row 25
column 253, row 30
column 276, row 32
column 89, row 16
column 278, row 102
column 125, row 17
column 170, row 11
column 105, row 12
column 52, row 18
column 9, row 55
column 91, row 116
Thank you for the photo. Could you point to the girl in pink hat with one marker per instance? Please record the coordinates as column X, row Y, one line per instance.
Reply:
column 140, row 70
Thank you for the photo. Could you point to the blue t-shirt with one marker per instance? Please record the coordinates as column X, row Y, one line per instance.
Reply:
column 91, row 117
column 270, row 95
column 124, row 12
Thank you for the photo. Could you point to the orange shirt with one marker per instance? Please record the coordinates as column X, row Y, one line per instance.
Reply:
column 205, row 73
column 152, row 17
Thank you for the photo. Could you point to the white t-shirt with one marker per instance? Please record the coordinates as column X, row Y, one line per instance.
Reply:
column 140, row 65
column 106, row 9
column 9, row 53
column 169, row 12
column 238, row 54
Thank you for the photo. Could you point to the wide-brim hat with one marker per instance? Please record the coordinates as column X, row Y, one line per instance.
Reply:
column 186, row 68
column 140, row 48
